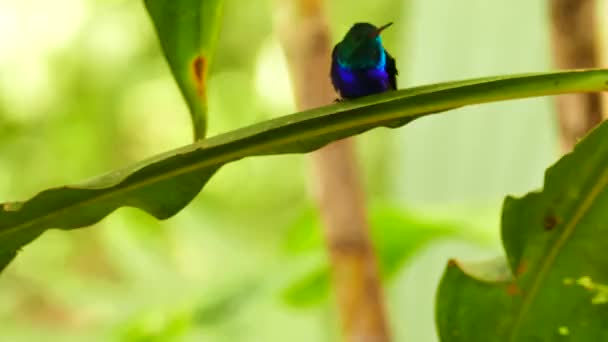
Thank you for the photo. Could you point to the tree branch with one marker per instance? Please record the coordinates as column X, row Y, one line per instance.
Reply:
column 573, row 32
column 305, row 37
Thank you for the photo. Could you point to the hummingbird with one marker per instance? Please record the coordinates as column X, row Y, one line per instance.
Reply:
column 360, row 64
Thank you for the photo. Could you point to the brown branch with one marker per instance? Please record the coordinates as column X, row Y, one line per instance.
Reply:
column 573, row 32
column 305, row 37
column 355, row 274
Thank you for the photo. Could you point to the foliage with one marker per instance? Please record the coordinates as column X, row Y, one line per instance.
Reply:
column 396, row 234
column 553, row 285
column 163, row 185
column 188, row 31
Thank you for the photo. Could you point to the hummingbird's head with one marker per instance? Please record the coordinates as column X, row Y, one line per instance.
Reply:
column 362, row 47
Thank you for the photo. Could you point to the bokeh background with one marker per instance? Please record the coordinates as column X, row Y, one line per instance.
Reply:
column 84, row 90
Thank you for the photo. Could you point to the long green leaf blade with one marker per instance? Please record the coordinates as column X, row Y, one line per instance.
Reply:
column 163, row 185
column 188, row 30
column 554, row 283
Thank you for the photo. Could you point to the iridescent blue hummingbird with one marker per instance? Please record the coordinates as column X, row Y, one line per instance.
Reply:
column 360, row 64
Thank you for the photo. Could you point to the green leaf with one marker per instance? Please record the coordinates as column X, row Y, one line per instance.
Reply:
column 554, row 284
column 309, row 289
column 156, row 325
column 188, row 31
column 6, row 258
column 163, row 185
column 396, row 236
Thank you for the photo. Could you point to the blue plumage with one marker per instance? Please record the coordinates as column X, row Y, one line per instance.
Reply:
column 360, row 64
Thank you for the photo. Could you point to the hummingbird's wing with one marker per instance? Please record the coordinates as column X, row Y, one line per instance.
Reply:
column 391, row 70
column 335, row 78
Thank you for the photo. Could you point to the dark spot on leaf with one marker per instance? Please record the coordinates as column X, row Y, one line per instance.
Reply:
column 452, row 263
column 556, row 83
column 549, row 222
column 513, row 290
column 521, row 268
column 199, row 66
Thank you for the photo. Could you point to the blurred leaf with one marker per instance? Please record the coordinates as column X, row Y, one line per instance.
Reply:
column 188, row 31
column 221, row 307
column 556, row 249
column 163, row 185
column 309, row 289
column 6, row 258
column 396, row 237
column 303, row 235
column 157, row 326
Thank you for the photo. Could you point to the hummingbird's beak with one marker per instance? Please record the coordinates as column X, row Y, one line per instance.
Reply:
column 381, row 28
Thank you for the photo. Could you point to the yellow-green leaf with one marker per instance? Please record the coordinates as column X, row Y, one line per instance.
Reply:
column 188, row 30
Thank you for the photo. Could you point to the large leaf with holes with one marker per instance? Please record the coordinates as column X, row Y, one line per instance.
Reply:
column 188, row 30
column 554, row 284
column 163, row 185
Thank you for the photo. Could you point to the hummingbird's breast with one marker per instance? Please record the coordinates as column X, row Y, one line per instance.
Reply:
column 353, row 83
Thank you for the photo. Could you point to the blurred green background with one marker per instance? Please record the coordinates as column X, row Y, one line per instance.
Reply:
column 84, row 89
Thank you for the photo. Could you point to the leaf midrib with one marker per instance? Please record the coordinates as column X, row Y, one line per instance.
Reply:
column 217, row 161
column 444, row 103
